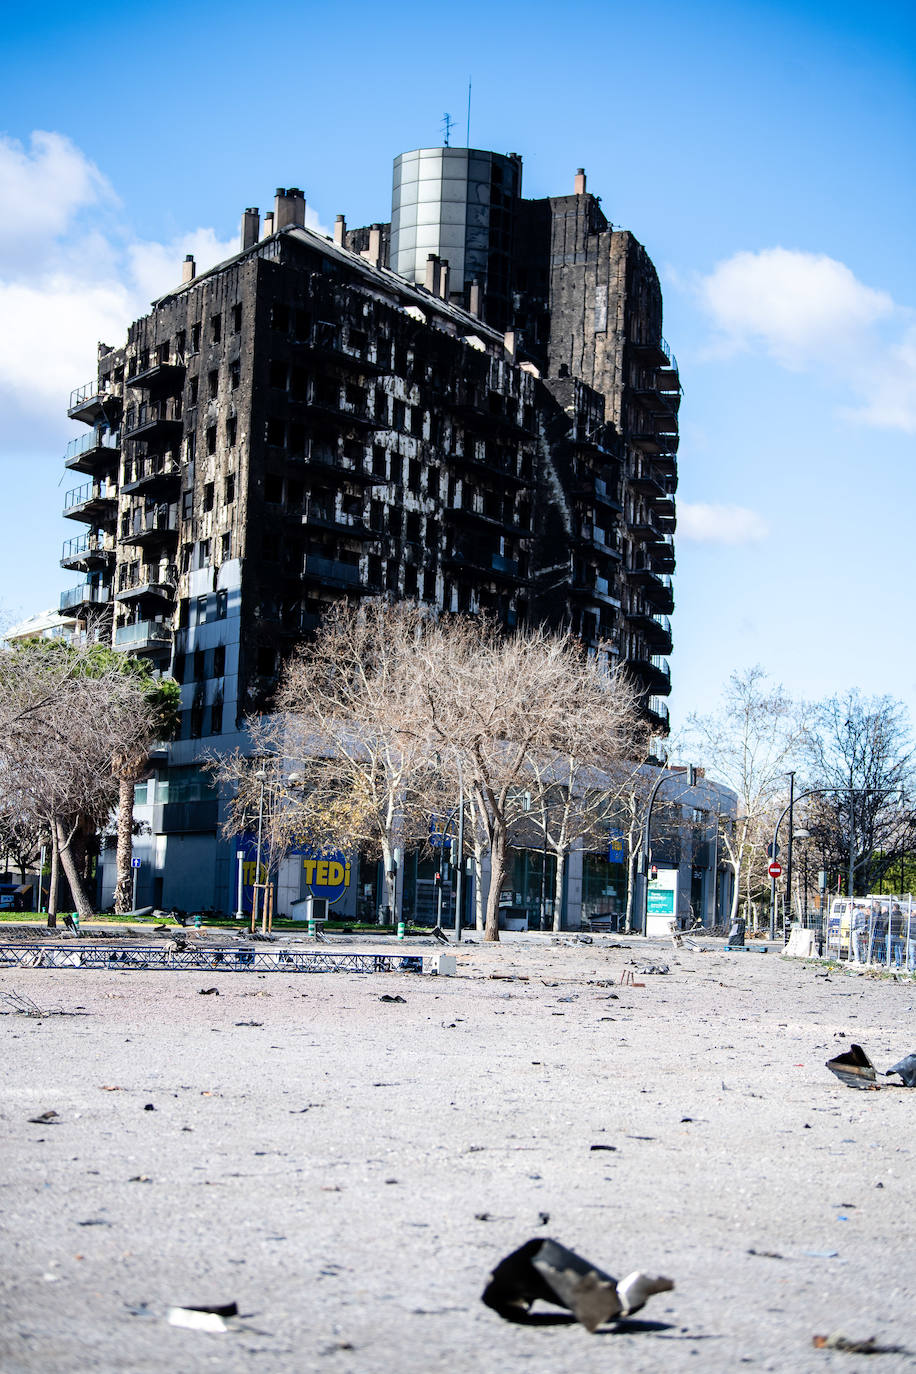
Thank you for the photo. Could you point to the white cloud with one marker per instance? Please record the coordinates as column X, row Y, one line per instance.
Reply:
column 706, row 524
column 810, row 313
column 71, row 275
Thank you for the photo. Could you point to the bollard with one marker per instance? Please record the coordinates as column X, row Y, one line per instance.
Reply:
column 198, row 920
column 76, row 921
column 311, row 930
column 402, row 930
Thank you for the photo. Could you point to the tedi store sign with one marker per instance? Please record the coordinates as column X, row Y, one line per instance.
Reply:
column 326, row 874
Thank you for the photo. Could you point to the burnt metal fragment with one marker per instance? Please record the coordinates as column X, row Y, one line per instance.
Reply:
column 854, row 1068
column 907, row 1070
column 546, row 1270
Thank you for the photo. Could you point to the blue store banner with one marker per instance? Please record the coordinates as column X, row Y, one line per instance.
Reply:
column 616, row 848
column 327, row 875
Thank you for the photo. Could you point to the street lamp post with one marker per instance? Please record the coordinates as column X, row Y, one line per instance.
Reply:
column 261, row 776
column 692, row 782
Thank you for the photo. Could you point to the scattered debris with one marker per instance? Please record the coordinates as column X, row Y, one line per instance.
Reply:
column 111, row 1088
column 509, row 977
column 386, row 997
column 50, row 1118
column 906, row 1069
column 653, row 968
column 249, row 1023
column 18, row 1002
column 837, row 1341
column 627, row 980
column 543, row 1218
column 439, row 934
column 603, row 1147
column 95, row 1221
column 766, row 1254
column 149, row 1107
column 208, row 992
column 854, row 1068
column 546, row 1270
column 203, row 1318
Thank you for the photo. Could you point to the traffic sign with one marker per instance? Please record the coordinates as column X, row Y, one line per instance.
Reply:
column 135, row 863
column 770, row 853
column 775, row 869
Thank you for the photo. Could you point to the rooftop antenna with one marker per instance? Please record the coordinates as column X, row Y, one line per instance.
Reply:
column 469, row 112
column 447, row 124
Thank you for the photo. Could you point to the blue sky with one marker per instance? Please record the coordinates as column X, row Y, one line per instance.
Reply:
column 763, row 153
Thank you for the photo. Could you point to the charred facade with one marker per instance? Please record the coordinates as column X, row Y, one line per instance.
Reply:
column 303, row 423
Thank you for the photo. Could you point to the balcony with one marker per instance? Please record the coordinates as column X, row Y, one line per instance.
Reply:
column 607, row 495
column 661, row 552
column 657, row 709
column 647, row 483
column 653, row 670
column 590, row 584
column 146, row 588
column 467, row 515
column 323, row 461
column 331, row 572
column 143, row 637
column 92, row 403
column 152, row 527
column 504, row 471
column 84, row 597
column 87, row 551
column 93, row 453
column 654, row 354
column 488, row 565
column 96, row 503
column 324, row 516
column 151, row 476
column 164, row 375
column 154, row 420
column 656, row 587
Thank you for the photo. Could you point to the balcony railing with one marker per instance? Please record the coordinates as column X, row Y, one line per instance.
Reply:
column 88, row 402
column 658, row 707
column 331, row 570
column 142, row 636
column 103, row 444
column 84, row 595
column 86, row 546
column 89, row 492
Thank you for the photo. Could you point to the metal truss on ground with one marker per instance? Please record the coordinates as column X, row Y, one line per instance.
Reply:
column 166, row 958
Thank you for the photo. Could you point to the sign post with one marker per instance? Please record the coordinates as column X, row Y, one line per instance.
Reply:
column 775, row 871
column 240, row 859
column 135, row 865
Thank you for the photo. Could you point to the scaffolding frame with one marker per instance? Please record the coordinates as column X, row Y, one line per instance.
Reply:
column 169, row 959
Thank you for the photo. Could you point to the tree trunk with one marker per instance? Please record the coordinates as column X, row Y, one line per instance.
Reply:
column 736, row 892
column 558, row 888
column 54, row 880
column 391, row 882
column 123, row 894
column 478, row 889
column 497, row 877
column 80, row 896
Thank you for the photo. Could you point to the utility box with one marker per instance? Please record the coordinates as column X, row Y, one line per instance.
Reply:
column 310, row 909
column 446, row 965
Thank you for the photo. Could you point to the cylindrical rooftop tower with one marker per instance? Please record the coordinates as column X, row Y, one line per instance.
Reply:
column 459, row 204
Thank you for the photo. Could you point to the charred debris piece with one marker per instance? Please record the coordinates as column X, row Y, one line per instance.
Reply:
column 855, row 1069
column 546, row 1270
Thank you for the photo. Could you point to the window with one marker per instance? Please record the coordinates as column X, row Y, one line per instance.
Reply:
column 213, row 384
column 432, row 480
column 232, row 429
column 200, row 610
column 235, row 375
column 279, row 320
column 216, row 328
column 276, row 432
column 236, row 319
column 211, row 438
column 429, row 586
column 413, row 476
column 178, row 668
column 203, row 553
column 273, row 489
column 187, row 506
column 379, row 464
column 219, row 660
column 192, row 391
column 412, row 527
column 216, row 718
column 225, row 547
column 229, row 495
column 195, row 338
column 141, row 793
column 190, row 450
column 222, row 605
column 208, row 496
column 399, row 415
column 200, row 665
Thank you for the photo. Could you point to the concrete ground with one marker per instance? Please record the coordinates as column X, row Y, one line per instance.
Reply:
column 348, row 1170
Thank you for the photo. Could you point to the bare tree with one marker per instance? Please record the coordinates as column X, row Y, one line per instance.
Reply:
column 66, row 716
column 749, row 743
column 349, row 724
column 859, row 751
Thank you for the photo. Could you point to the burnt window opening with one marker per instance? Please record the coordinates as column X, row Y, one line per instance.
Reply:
column 216, row 328
column 192, row 391
column 213, row 384
column 211, row 439
column 221, row 606
column 200, row 665
column 279, row 318
column 276, row 432
column 413, row 476
column 219, row 661
column 216, row 718
column 235, row 375
column 225, row 547
column 236, row 319
column 208, row 496
column 229, row 490
column 273, row 489
column 195, row 338
column 178, row 668
column 187, row 506
column 232, row 429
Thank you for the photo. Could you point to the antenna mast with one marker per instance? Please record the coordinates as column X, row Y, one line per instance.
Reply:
column 447, row 124
column 469, row 112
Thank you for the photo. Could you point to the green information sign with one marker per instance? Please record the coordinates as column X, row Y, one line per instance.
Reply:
column 661, row 901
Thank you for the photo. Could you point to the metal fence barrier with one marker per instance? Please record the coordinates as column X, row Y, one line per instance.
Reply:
column 877, row 931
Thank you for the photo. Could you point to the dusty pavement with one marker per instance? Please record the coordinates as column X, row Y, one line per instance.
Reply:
column 348, row 1170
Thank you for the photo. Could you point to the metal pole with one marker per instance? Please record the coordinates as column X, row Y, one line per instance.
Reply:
column 789, row 852
column 257, row 867
column 459, row 867
column 239, row 913
column 41, row 874
column 852, row 840
column 134, row 895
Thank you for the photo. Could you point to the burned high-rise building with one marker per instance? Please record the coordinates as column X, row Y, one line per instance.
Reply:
column 471, row 405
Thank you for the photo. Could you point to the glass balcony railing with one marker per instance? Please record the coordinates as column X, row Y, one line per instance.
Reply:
column 96, row 438
column 84, row 595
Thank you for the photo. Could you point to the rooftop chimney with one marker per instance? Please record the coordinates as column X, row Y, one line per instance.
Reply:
column 443, row 279
column 289, row 207
column 340, row 231
column 188, row 268
column 431, row 281
column 251, row 227
column 509, row 342
column 475, row 299
column 580, row 181
column 268, row 223
column 375, row 244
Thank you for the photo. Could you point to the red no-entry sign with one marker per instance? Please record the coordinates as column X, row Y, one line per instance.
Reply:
column 775, row 869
